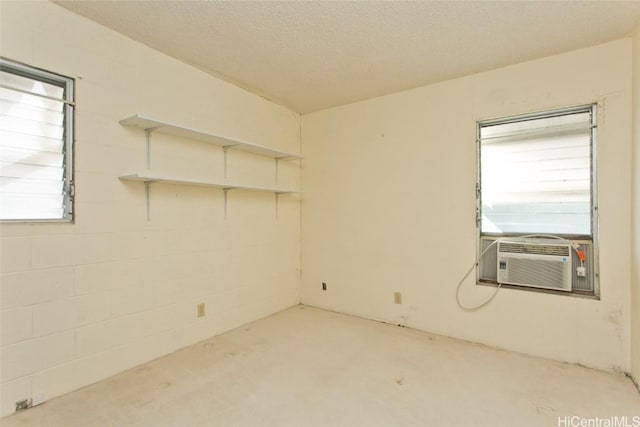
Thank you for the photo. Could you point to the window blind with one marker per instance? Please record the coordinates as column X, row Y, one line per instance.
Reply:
column 536, row 174
column 34, row 173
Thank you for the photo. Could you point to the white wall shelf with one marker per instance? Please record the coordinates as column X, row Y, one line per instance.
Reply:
column 150, row 177
column 150, row 125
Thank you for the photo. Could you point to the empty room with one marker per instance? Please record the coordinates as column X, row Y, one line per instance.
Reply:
column 320, row 213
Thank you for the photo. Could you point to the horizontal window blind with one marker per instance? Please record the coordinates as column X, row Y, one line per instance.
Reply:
column 536, row 174
column 34, row 143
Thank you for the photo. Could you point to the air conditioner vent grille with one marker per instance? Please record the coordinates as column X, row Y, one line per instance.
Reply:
column 525, row 248
column 536, row 273
column 539, row 264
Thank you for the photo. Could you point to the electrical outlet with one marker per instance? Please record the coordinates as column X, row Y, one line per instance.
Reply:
column 397, row 297
column 581, row 271
column 201, row 309
column 324, row 286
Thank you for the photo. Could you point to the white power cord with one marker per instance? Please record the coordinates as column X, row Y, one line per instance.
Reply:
column 477, row 262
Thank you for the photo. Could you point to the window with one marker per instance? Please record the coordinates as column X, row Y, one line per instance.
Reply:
column 36, row 136
column 537, row 176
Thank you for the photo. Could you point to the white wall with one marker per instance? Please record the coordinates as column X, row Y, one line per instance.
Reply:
column 83, row 301
column 635, row 292
column 389, row 205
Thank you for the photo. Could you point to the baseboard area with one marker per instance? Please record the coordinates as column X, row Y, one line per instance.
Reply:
column 305, row 364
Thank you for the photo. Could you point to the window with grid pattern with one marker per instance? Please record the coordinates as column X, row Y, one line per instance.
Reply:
column 536, row 176
column 536, row 173
column 36, row 137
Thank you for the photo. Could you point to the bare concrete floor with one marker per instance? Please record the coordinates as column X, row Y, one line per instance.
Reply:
column 309, row 367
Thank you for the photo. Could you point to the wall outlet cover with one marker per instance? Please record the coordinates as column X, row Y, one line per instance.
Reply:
column 201, row 311
column 397, row 297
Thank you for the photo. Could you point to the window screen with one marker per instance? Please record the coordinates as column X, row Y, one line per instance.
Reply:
column 36, row 125
column 536, row 173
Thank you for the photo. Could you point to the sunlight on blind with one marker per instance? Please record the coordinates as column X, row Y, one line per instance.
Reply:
column 536, row 175
column 31, row 149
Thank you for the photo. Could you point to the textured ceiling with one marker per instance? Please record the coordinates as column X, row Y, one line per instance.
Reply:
column 310, row 55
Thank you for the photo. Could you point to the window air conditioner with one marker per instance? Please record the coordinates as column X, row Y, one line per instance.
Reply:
column 537, row 263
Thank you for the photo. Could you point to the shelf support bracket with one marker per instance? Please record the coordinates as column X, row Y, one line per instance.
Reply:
column 225, row 149
column 225, row 190
column 147, row 134
column 277, row 164
column 147, row 190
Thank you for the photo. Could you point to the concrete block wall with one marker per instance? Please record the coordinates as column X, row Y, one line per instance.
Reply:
column 80, row 302
column 635, row 266
column 390, row 202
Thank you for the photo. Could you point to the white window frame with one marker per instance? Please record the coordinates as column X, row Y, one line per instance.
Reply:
column 592, row 237
column 68, row 84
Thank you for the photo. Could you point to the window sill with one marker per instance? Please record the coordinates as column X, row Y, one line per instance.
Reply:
column 577, row 294
column 37, row 221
